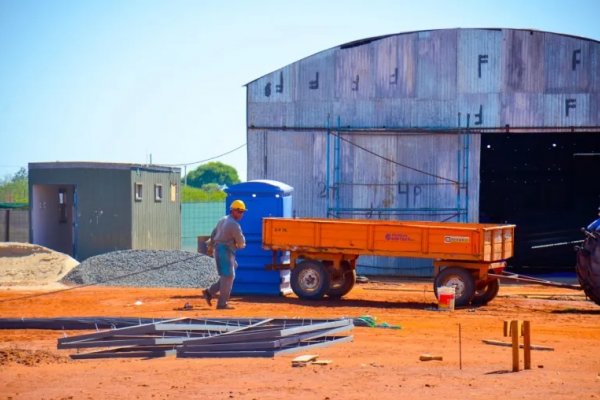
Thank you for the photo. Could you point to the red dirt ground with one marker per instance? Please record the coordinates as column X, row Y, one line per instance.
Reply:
column 379, row 363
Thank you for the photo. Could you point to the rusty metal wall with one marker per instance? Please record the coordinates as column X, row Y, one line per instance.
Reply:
column 426, row 85
column 292, row 156
column 425, row 79
column 377, row 172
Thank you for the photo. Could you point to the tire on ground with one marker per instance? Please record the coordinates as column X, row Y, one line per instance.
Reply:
column 343, row 284
column 310, row 280
column 487, row 293
column 461, row 279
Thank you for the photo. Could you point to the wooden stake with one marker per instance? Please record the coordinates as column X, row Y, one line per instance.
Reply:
column 514, row 333
column 459, row 347
column 515, row 329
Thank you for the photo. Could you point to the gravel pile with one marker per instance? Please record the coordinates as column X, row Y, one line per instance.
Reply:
column 145, row 268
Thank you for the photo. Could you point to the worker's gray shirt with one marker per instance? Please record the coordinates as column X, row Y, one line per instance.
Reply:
column 229, row 232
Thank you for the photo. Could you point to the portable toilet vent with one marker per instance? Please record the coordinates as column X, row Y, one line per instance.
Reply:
column 263, row 198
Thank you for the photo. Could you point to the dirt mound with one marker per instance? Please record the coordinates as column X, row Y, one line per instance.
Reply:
column 29, row 358
column 24, row 264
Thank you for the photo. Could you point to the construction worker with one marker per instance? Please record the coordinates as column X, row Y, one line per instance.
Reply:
column 226, row 238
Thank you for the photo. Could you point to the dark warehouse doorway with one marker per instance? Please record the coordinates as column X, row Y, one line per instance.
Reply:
column 548, row 184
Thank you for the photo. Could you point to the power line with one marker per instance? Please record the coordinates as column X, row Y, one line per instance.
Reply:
column 394, row 161
column 205, row 160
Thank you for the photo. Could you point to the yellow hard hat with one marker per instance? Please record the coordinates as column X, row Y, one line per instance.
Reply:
column 238, row 205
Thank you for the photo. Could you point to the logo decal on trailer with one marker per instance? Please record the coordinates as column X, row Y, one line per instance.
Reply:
column 403, row 237
column 456, row 239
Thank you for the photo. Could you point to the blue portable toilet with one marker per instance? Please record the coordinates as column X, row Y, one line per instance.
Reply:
column 263, row 198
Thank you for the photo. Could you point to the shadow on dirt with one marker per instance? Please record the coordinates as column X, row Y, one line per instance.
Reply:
column 326, row 302
column 576, row 311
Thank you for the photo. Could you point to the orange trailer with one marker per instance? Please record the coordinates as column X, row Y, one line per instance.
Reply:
column 323, row 252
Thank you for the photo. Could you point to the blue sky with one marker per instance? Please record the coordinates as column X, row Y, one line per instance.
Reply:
column 123, row 81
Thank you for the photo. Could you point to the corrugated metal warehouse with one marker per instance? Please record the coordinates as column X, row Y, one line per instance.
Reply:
column 473, row 125
column 84, row 208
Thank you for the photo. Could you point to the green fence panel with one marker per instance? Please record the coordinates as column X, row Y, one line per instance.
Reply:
column 199, row 219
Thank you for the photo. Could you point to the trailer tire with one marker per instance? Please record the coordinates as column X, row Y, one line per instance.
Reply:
column 342, row 286
column 487, row 293
column 461, row 279
column 310, row 280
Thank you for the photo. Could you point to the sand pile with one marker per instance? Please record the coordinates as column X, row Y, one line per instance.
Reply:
column 24, row 264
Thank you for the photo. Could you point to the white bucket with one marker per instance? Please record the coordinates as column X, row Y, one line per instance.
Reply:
column 446, row 295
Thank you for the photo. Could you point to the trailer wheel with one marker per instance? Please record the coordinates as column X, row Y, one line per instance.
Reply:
column 310, row 280
column 342, row 284
column 487, row 293
column 461, row 279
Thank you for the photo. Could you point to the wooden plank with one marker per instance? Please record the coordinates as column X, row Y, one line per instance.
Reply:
column 305, row 358
column 507, row 344
column 430, row 357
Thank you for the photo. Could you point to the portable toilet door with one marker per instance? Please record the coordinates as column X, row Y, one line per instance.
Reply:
column 263, row 198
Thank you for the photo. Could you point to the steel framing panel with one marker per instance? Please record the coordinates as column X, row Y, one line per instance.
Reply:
column 314, row 343
column 262, row 344
column 190, row 337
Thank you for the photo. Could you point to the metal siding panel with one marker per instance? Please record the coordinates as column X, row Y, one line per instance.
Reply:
column 480, row 60
column 594, row 118
column 308, row 114
column 256, row 142
column 156, row 224
column 374, row 178
column 474, row 166
column 595, row 67
column 397, row 113
column 271, row 114
column 567, row 63
column 436, row 72
column 396, row 66
column 394, row 266
column 354, row 113
column 421, row 190
column 276, row 87
column 595, row 109
column 566, row 109
column 435, row 114
column 316, row 77
column 289, row 157
column 523, row 61
column 354, row 77
column 319, row 175
column 522, row 109
column 483, row 110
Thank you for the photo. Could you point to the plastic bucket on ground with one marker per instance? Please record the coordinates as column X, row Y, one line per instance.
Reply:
column 446, row 296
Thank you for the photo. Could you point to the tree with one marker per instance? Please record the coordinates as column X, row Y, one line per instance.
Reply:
column 192, row 195
column 15, row 189
column 213, row 172
column 20, row 175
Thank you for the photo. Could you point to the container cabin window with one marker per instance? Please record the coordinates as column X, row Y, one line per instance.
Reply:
column 139, row 192
column 173, row 192
column 62, row 206
column 158, row 193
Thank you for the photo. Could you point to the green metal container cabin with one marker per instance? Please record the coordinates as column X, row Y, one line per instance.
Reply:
column 88, row 208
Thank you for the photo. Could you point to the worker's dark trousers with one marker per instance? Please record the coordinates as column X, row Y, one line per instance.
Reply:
column 223, row 287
